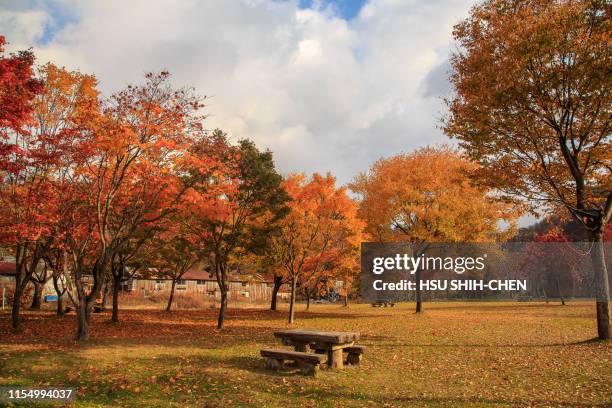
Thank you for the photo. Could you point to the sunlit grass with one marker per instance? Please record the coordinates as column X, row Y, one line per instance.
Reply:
column 454, row 354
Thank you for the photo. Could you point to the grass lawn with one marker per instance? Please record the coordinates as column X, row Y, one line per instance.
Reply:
column 454, row 354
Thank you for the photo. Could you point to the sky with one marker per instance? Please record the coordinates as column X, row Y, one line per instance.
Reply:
column 327, row 85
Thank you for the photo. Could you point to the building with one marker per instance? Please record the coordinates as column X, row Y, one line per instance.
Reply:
column 247, row 287
column 7, row 274
column 250, row 288
column 8, row 270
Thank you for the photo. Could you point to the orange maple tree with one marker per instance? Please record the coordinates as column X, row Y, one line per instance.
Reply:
column 429, row 196
column 126, row 175
column 31, row 197
column 532, row 104
column 21, row 208
column 320, row 231
column 228, row 207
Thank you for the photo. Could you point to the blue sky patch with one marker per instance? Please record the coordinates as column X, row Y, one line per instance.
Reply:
column 346, row 9
column 60, row 17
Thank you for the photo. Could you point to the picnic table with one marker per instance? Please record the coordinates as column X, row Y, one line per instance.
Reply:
column 331, row 343
column 383, row 302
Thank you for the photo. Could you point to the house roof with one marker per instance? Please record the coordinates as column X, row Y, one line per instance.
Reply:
column 200, row 273
column 197, row 273
column 8, row 268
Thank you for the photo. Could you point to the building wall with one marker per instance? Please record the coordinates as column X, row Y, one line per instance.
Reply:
column 245, row 291
column 7, row 281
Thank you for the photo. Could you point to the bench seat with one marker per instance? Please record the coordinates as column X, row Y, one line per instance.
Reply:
column 309, row 363
column 354, row 354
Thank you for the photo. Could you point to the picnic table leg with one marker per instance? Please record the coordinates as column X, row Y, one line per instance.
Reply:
column 335, row 358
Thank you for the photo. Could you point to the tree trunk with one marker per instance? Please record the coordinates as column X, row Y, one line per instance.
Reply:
column 292, row 301
column 278, row 282
column 223, row 308
column 346, row 299
column 60, row 300
column 21, row 278
column 60, row 305
column 82, row 320
column 559, row 291
column 307, row 300
column 419, row 301
column 37, row 296
column 220, row 273
column 602, row 288
column 116, row 287
column 171, row 298
column 86, row 301
column 15, row 313
column 104, row 295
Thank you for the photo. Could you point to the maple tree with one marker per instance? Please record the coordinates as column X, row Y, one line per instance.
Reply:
column 229, row 207
column 18, row 87
column 126, row 175
column 339, row 263
column 37, row 160
column 532, row 105
column 320, row 229
column 429, row 196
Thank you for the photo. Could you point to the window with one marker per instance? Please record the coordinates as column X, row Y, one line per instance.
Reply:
column 200, row 282
column 244, row 283
column 159, row 281
column 181, row 282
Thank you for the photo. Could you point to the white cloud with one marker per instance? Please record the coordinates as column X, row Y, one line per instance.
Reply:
column 323, row 93
column 24, row 27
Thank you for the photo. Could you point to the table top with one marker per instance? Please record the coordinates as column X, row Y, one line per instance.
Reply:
column 334, row 337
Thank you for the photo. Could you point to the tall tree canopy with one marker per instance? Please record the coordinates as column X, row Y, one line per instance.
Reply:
column 233, row 211
column 125, row 174
column 18, row 87
column 319, row 233
column 532, row 104
column 35, row 167
column 429, row 196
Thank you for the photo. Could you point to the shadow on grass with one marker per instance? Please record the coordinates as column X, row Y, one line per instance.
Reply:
column 307, row 315
column 214, row 375
column 388, row 342
column 491, row 306
column 432, row 401
column 258, row 366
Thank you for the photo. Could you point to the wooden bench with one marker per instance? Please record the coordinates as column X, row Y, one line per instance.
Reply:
column 354, row 354
column 308, row 362
column 381, row 303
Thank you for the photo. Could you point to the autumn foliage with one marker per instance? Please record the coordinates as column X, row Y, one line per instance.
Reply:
column 532, row 105
column 429, row 195
column 96, row 189
column 319, row 238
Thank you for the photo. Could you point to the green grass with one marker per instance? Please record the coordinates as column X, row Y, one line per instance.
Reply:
column 454, row 354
